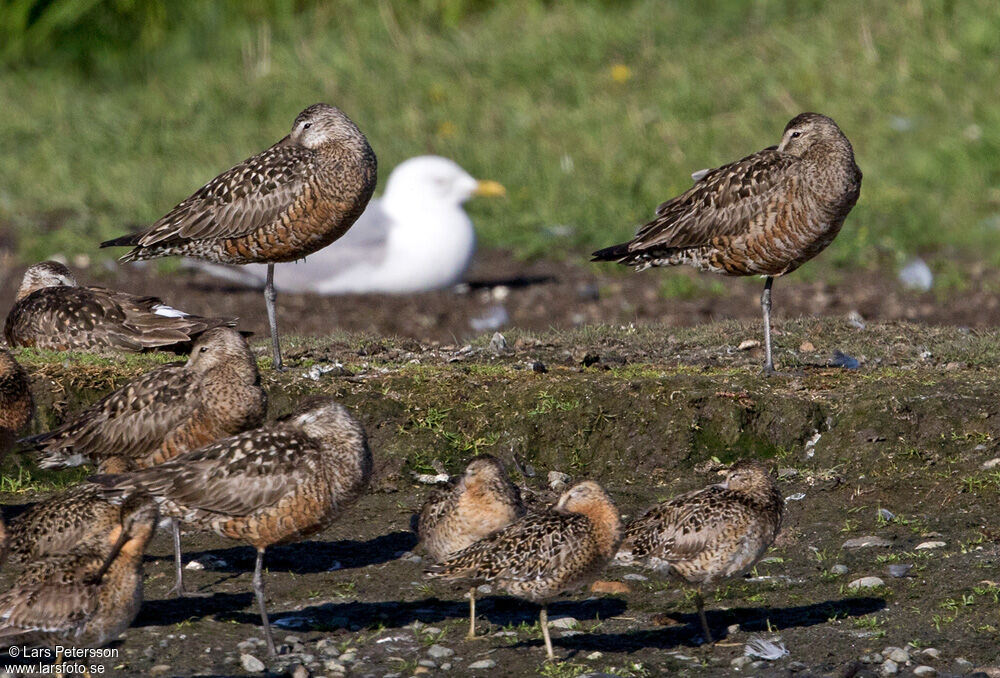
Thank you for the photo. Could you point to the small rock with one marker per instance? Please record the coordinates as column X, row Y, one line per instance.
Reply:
column 888, row 668
column 563, row 623
column 748, row 344
column 787, row 472
column 855, row 320
column 900, row 570
column 806, row 347
column 484, row 589
column 886, row 514
column 839, row 568
column 916, row 275
column 439, row 651
column 482, row 664
column 498, row 344
column 732, row 628
column 898, row 655
column 334, row 666
column 594, row 656
column 931, row 652
column 421, row 670
column 558, row 480
column 348, row 657
column 991, row 464
column 298, row 671
column 159, row 669
column 428, row 663
column 635, row 576
column 924, row 670
column 739, row 662
column 930, row 545
column 963, row 663
column 866, row 583
column 864, row 542
column 251, row 664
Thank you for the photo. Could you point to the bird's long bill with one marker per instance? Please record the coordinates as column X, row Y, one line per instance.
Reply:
column 115, row 550
column 489, row 189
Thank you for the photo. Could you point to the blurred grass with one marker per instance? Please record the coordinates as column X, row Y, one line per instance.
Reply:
column 591, row 113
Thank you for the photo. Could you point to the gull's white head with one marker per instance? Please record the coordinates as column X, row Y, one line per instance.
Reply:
column 431, row 179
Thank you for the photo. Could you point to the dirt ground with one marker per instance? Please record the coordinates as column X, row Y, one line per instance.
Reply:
column 505, row 292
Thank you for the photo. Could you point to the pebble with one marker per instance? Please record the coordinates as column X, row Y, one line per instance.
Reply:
column 839, row 568
column 748, row 344
column 594, row 656
column 439, row 651
column 633, row 576
column 807, row 347
column 498, row 344
column 924, row 670
column 886, row 514
column 896, row 654
column 930, row 545
column 558, row 480
column 864, row 542
column 563, row 623
column 483, row 664
column 159, row 669
column 739, row 662
column 251, row 664
column 931, row 652
column 428, row 663
column 991, row 464
column 298, row 671
column 334, row 666
column 348, row 656
column 866, row 583
column 484, row 589
column 963, row 663
column 899, row 570
column 889, row 668
column 433, row 630
column 732, row 628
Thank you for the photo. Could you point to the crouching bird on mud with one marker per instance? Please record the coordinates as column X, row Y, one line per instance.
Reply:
column 543, row 554
column 766, row 214
column 708, row 534
column 85, row 596
column 280, row 483
column 280, row 205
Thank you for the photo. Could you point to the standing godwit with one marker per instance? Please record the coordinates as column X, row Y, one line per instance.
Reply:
column 163, row 413
column 88, row 595
column 543, row 554
column 482, row 501
column 277, row 484
column 53, row 312
column 282, row 204
column 707, row 534
column 16, row 405
column 766, row 214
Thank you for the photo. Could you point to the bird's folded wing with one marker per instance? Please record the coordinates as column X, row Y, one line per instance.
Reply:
column 47, row 608
column 724, row 201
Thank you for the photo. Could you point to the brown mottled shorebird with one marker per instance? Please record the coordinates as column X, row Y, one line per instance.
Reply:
column 16, row 405
column 165, row 412
column 277, row 484
column 543, row 554
column 766, row 214
column 282, row 204
column 482, row 501
column 53, row 312
column 708, row 534
column 87, row 596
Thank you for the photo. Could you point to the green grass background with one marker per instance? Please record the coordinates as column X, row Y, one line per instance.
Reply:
column 115, row 110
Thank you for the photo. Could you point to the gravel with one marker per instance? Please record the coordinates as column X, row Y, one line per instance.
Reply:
column 436, row 651
column 251, row 664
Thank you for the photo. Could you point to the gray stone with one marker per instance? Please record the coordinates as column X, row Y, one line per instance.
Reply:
column 635, row 576
column 899, row 570
column 498, row 344
column 483, row 664
column 299, row 671
column 732, row 628
column 924, row 670
column 334, row 666
column 558, row 480
column 251, row 664
column 899, row 655
column 348, row 656
column 866, row 583
column 865, row 542
column 930, row 545
column 428, row 663
column 931, row 652
column 889, row 668
column 436, row 651
column 563, row 623
column 839, row 568
column 740, row 662
column 886, row 514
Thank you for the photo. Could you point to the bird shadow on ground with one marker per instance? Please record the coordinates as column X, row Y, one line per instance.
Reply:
column 167, row 611
column 516, row 282
column 499, row 611
column 750, row 619
column 308, row 556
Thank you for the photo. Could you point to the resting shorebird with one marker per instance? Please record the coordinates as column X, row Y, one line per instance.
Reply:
column 53, row 312
column 170, row 410
column 766, row 214
column 88, row 595
column 708, row 534
column 543, row 554
column 482, row 501
column 277, row 484
column 16, row 405
column 282, row 204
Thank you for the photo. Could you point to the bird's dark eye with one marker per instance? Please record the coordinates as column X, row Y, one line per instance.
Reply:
column 796, row 135
column 203, row 349
column 307, row 125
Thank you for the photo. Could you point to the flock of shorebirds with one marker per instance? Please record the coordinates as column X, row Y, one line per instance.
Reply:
column 189, row 441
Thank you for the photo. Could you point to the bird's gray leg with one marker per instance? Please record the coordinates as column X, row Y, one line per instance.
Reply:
column 765, row 306
column 178, row 591
column 472, row 613
column 543, row 621
column 272, row 318
column 700, row 602
column 258, row 589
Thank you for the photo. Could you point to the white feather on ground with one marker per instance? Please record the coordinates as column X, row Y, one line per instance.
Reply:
column 765, row 649
column 415, row 238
